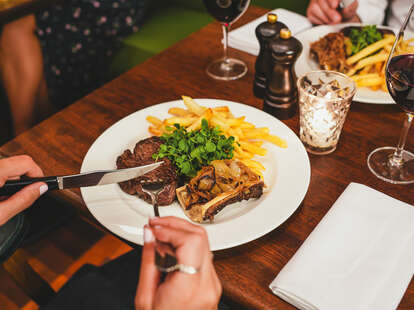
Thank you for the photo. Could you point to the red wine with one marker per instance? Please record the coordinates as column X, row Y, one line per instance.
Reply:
column 226, row 11
column 400, row 81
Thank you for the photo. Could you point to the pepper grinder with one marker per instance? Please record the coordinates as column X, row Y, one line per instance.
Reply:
column 264, row 33
column 281, row 96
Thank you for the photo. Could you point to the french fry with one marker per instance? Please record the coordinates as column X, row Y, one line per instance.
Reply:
column 154, row 120
column 276, row 140
column 371, row 60
column 252, row 148
column 179, row 112
column 222, row 109
column 255, row 133
column 375, row 81
column 183, row 121
column 254, row 163
column 197, row 124
column 370, row 49
column 155, row 131
column 193, row 106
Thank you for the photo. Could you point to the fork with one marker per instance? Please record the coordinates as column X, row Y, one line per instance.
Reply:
column 164, row 262
column 153, row 189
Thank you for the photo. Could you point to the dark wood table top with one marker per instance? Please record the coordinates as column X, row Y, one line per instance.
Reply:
column 60, row 143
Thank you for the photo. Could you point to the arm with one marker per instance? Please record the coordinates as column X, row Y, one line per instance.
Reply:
column 12, row 168
column 326, row 12
column 200, row 291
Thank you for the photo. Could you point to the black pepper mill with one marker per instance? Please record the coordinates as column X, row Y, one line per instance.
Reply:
column 281, row 96
column 264, row 33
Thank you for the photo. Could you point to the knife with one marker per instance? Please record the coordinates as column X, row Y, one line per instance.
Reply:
column 93, row 178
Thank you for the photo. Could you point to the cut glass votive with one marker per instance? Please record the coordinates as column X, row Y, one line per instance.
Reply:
column 324, row 101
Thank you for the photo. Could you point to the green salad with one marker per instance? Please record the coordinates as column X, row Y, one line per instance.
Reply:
column 190, row 151
column 361, row 38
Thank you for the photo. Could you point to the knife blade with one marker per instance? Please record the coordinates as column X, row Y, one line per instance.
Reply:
column 93, row 178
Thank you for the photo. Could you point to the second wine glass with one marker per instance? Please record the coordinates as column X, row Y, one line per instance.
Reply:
column 226, row 12
column 394, row 164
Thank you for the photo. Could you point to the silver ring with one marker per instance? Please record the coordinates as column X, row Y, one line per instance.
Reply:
column 179, row 267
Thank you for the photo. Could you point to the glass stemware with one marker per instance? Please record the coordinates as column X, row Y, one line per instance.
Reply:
column 394, row 164
column 226, row 12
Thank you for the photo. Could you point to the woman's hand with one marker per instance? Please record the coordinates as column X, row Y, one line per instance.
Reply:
column 326, row 12
column 179, row 290
column 13, row 168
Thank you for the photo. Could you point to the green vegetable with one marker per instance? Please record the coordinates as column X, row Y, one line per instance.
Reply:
column 189, row 151
column 361, row 38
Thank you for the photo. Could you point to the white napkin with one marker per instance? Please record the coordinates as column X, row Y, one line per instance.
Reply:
column 244, row 37
column 360, row 256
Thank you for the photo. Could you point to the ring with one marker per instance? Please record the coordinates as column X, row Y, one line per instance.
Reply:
column 181, row 268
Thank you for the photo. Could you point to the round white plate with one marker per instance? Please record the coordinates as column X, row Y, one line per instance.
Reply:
column 305, row 64
column 287, row 178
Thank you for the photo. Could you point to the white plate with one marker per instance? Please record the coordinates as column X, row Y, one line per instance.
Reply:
column 305, row 64
column 287, row 178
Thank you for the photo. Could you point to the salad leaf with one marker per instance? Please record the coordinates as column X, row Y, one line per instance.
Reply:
column 361, row 38
column 190, row 151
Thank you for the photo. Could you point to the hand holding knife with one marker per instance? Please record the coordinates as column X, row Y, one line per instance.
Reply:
column 93, row 178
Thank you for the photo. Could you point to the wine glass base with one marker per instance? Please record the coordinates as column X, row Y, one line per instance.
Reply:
column 226, row 69
column 380, row 165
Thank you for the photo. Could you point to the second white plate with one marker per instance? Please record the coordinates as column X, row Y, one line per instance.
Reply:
column 305, row 63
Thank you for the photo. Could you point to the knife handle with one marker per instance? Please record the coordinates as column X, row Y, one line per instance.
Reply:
column 13, row 186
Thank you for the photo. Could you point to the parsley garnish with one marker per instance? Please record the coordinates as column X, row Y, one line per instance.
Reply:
column 361, row 38
column 189, row 151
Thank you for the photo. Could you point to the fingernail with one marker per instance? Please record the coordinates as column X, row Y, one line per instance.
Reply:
column 148, row 235
column 157, row 227
column 43, row 189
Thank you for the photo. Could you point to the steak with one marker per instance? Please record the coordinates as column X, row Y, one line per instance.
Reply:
column 329, row 52
column 142, row 155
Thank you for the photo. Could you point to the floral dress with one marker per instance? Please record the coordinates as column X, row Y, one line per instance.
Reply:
column 78, row 39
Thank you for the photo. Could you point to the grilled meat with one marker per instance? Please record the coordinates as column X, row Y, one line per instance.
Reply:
column 216, row 186
column 142, row 155
column 330, row 52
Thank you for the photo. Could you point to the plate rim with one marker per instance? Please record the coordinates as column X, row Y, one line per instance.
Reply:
column 297, row 200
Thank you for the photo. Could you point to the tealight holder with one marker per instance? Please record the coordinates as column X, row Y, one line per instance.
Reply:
column 324, row 101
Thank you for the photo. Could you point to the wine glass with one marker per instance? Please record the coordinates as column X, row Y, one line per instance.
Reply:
column 394, row 164
column 226, row 12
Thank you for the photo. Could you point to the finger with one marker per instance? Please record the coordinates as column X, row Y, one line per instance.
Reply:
column 18, row 165
column 334, row 4
column 331, row 14
column 21, row 201
column 190, row 248
column 149, row 275
column 175, row 222
column 314, row 20
column 350, row 11
column 317, row 13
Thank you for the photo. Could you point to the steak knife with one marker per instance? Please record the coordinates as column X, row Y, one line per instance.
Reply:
column 93, row 178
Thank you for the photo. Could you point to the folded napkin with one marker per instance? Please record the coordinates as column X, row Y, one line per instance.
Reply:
column 244, row 37
column 360, row 256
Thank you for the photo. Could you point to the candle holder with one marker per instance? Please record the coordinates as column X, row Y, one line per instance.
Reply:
column 324, row 101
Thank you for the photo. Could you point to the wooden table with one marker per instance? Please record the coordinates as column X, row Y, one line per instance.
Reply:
column 60, row 143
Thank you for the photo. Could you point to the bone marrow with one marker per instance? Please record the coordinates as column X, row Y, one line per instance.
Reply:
column 216, row 186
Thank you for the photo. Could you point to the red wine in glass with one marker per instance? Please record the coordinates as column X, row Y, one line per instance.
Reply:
column 400, row 78
column 395, row 164
column 226, row 12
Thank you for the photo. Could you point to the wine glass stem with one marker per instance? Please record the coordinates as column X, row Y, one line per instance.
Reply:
column 397, row 159
column 226, row 28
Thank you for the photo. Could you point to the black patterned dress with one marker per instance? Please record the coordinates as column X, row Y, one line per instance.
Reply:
column 79, row 38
